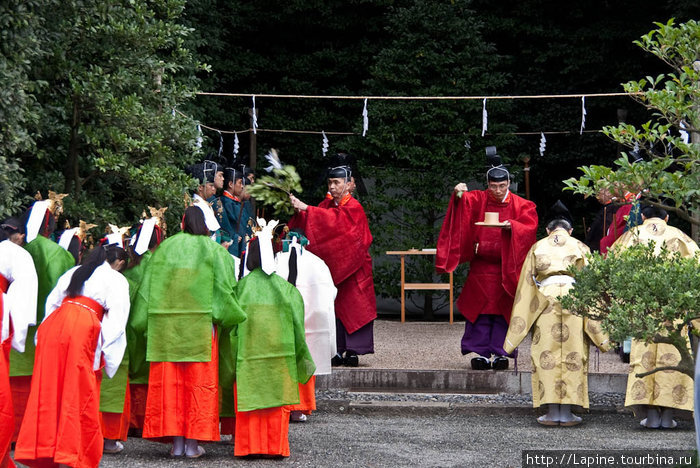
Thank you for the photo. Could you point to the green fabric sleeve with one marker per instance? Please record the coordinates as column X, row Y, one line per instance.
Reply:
column 226, row 310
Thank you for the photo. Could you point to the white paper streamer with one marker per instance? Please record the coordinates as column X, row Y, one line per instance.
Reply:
column 684, row 135
column 255, row 118
column 199, row 136
column 324, row 146
column 221, row 144
column 173, row 112
column 484, row 120
column 365, row 119
column 36, row 218
column 543, row 144
column 67, row 236
column 583, row 114
column 236, row 145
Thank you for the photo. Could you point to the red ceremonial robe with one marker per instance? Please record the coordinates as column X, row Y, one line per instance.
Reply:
column 496, row 255
column 62, row 420
column 616, row 229
column 340, row 236
column 7, row 414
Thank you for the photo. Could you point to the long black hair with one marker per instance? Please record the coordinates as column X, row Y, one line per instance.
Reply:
column 98, row 255
column 193, row 222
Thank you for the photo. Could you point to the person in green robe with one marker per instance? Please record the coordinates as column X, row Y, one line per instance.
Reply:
column 270, row 353
column 50, row 261
column 187, row 294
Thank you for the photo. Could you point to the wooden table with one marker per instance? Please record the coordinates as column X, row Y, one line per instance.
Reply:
column 420, row 286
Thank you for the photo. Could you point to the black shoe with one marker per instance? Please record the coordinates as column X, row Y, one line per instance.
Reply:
column 500, row 363
column 351, row 360
column 337, row 360
column 481, row 363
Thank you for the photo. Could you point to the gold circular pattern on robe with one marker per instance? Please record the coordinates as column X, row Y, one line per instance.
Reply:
column 668, row 359
column 674, row 245
column 593, row 327
column 540, row 388
column 655, row 229
column 570, row 260
column 557, row 240
column 648, row 360
column 542, row 262
column 517, row 325
column 657, row 391
column 639, row 390
column 573, row 361
column 534, row 304
column 536, row 335
column 547, row 360
column 679, row 394
column 560, row 389
column 560, row 332
column 548, row 309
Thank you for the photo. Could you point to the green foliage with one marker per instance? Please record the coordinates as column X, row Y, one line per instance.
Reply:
column 670, row 173
column 112, row 73
column 273, row 190
column 635, row 293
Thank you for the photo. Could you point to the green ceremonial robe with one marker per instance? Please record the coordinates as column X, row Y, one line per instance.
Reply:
column 133, row 365
column 234, row 220
column 269, row 348
column 179, row 299
column 51, row 261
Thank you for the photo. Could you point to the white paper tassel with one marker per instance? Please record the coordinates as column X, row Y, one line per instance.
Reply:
column 221, row 144
column 236, row 145
column 484, row 120
column 324, row 146
column 684, row 135
column 365, row 119
column 543, row 144
column 173, row 112
column 199, row 137
column 255, row 118
column 583, row 114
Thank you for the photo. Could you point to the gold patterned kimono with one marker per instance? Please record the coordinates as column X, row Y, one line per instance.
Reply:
column 665, row 388
column 560, row 340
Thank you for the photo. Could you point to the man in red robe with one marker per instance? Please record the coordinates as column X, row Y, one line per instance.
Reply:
column 496, row 255
column 338, row 232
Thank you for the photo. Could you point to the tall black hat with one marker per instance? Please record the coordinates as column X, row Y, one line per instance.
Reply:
column 497, row 172
column 340, row 166
column 204, row 171
column 559, row 211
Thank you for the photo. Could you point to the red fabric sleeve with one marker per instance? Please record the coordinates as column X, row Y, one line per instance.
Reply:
column 616, row 229
column 517, row 241
column 339, row 235
column 456, row 240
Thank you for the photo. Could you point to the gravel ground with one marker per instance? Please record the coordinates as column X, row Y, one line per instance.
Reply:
column 436, row 345
column 607, row 400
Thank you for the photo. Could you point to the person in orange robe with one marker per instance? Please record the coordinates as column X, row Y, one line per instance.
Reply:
column 180, row 306
column 18, row 293
column 271, row 354
column 495, row 256
column 83, row 330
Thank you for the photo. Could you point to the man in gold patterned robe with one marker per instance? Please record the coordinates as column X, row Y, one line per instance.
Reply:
column 560, row 340
column 657, row 395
